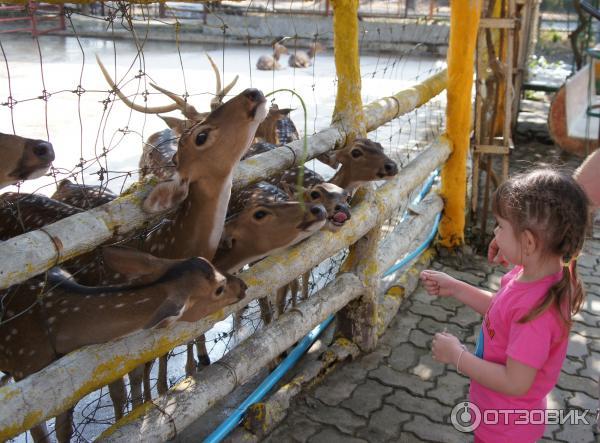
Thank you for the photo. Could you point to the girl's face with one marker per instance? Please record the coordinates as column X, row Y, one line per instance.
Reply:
column 508, row 241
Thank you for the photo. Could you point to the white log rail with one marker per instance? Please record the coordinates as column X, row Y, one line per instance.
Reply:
column 193, row 396
column 34, row 399
column 32, row 253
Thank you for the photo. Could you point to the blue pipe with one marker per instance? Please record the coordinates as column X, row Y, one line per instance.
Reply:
column 234, row 419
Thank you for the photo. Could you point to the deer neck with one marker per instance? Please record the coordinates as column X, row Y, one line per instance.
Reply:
column 198, row 223
column 343, row 179
column 104, row 317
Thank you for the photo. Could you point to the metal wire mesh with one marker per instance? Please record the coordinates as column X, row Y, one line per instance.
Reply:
column 51, row 88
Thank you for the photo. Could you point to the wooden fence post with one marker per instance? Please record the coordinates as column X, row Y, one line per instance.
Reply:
column 464, row 23
column 358, row 320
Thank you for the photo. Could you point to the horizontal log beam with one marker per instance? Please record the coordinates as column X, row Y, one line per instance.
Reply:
column 195, row 395
column 33, row 399
column 32, row 253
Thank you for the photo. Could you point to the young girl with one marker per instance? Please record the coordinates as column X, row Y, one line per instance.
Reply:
column 542, row 217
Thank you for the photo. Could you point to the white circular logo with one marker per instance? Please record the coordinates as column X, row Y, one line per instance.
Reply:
column 465, row 416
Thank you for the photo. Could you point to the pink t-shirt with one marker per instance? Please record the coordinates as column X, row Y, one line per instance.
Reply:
column 540, row 343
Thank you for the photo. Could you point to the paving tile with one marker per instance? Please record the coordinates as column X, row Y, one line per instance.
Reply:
column 428, row 368
column 420, row 338
column 466, row 317
column 576, row 383
column 431, row 431
column 427, row 406
column 341, row 418
column 578, row 346
column 367, row 398
column 428, row 310
column 577, row 433
column 592, row 362
column 572, row 365
column 404, row 356
column 431, row 326
column 384, row 425
column 450, row 389
column 329, row 435
column 334, row 390
column 583, row 401
column 389, row 377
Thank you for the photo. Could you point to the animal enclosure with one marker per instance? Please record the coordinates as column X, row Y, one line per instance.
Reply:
column 52, row 88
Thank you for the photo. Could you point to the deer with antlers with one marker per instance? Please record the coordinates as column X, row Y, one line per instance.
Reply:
column 207, row 152
column 271, row 62
column 23, row 158
column 37, row 331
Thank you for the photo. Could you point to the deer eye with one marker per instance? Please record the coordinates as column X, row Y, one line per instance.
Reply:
column 220, row 290
column 315, row 195
column 356, row 153
column 259, row 214
column 201, row 138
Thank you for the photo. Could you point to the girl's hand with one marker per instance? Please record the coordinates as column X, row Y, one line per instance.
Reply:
column 445, row 348
column 494, row 255
column 438, row 283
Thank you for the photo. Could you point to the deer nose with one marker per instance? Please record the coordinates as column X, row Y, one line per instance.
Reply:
column 43, row 150
column 254, row 95
column 318, row 211
column 391, row 168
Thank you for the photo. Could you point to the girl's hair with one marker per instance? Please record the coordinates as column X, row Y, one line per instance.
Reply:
column 554, row 208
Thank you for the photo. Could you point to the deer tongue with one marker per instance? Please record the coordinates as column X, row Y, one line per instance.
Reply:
column 340, row 217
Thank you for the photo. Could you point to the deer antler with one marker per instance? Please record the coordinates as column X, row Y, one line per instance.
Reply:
column 220, row 93
column 123, row 97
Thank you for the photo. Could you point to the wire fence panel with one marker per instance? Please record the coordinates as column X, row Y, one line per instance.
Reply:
column 51, row 88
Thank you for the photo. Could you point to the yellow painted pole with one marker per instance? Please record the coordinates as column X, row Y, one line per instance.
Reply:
column 358, row 320
column 464, row 23
column 348, row 111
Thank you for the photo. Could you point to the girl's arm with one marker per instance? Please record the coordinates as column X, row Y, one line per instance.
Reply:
column 513, row 379
column 442, row 285
column 476, row 298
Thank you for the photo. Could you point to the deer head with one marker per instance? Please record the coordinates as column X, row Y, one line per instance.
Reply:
column 362, row 161
column 23, row 158
column 263, row 221
column 73, row 315
column 263, row 229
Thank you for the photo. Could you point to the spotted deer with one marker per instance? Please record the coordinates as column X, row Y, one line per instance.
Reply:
column 82, row 196
column 23, row 158
column 271, row 62
column 206, row 154
column 37, row 331
column 361, row 161
column 301, row 59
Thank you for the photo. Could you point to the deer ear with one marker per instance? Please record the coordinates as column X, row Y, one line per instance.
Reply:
column 178, row 125
column 285, row 111
column 167, row 313
column 330, row 159
column 135, row 264
column 166, row 195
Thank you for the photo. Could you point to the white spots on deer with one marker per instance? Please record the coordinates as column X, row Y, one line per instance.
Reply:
column 119, row 305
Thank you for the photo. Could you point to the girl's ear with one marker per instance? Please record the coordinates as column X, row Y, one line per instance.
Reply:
column 529, row 242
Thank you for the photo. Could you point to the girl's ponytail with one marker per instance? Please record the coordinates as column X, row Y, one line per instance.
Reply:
column 567, row 295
